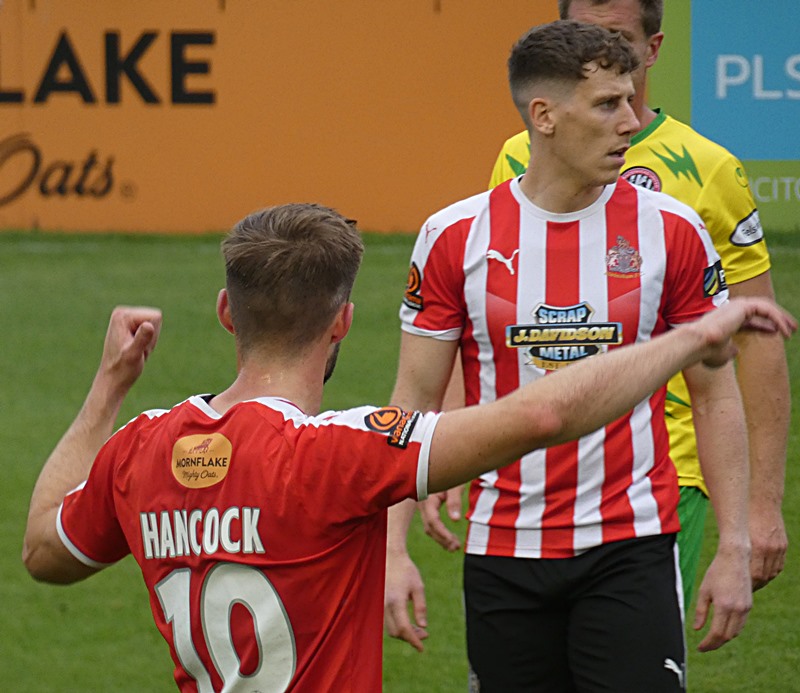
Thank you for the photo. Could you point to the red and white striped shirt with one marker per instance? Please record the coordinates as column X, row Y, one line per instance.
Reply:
column 526, row 291
column 261, row 535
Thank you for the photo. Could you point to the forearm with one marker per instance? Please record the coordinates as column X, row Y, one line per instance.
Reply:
column 399, row 520
column 763, row 380
column 722, row 449
column 70, row 461
column 764, row 383
column 67, row 466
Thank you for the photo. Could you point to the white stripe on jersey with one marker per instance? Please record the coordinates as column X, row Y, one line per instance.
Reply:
column 475, row 272
column 640, row 493
column 532, row 466
column 591, row 475
column 591, row 451
column 651, row 245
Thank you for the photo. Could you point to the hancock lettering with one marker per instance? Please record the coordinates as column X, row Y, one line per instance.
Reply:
column 65, row 73
column 23, row 165
column 168, row 534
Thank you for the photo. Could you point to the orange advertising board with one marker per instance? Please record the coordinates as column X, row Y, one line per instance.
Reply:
column 182, row 116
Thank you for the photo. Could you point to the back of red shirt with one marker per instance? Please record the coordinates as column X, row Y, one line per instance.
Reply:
column 260, row 534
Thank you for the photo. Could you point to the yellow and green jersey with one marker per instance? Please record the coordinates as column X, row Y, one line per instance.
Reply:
column 671, row 157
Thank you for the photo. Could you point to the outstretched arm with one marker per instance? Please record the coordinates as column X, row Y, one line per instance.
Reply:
column 566, row 405
column 131, row 336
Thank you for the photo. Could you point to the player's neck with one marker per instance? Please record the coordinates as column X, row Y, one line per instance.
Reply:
column 557, row 194
column 298, row 380
column 645, row 115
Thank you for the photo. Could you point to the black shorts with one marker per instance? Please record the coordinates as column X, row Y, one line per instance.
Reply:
column 608, row 620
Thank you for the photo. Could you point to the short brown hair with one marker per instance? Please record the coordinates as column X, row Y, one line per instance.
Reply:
column 651, row 13
column 559, row 52
column 288, row 270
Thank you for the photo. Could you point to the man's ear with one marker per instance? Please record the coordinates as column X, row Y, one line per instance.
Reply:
column 540, row 112
column 224, row 311
column 653, row 46
column 342, row 322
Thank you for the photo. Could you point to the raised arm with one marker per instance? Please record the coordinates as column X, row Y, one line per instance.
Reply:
column 131, row 336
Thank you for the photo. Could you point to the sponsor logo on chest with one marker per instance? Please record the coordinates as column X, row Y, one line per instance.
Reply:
column 562, row 335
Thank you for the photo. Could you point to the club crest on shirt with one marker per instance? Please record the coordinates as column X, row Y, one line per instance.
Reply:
column 562, row 335
column 412, row 297
column 643, row 177
column 201, row 460
column 623, row 260
column 714, row 280
column 395, row 423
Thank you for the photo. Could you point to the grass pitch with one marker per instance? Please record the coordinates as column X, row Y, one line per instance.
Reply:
column 57, row 293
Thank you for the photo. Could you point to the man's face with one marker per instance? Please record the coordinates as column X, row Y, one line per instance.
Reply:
column 624, row 16
column 593, row 124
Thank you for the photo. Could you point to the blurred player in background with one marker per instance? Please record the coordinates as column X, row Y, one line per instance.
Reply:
column 570, row 577
column 259, row 524
column 669, row 156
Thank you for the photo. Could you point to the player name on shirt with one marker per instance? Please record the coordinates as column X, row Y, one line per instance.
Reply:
column 168, row 534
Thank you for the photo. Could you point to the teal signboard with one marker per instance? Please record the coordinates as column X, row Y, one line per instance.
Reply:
column 732, row 69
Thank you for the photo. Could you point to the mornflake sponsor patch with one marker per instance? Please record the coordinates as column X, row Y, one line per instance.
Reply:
column 201, row 460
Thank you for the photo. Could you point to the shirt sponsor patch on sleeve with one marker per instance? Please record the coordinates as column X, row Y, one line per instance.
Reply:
column 714, row 280
column 748, row 231
column 412, row 297
column 395, row 423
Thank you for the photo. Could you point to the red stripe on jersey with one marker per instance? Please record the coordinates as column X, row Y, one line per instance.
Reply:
column 501, row 293
column 624, row 292
column 663, row 476
column 561, row 473
column 442, row 277
column 686, row 261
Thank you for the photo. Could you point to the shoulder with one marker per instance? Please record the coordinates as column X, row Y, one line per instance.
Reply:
column 467, row 208
column 666, row 203
column 680, row 134
column 459, row 214
column 146, row 421
column 390, row 424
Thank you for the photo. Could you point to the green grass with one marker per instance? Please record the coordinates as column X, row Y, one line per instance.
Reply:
column 57, row 292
